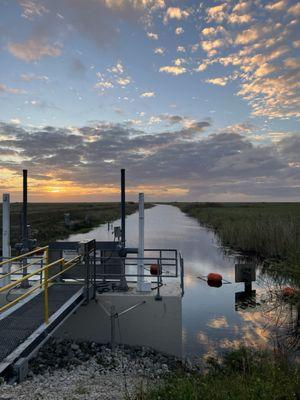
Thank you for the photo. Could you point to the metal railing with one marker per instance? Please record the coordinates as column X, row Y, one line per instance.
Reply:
column 169, row 264
column 45, row 280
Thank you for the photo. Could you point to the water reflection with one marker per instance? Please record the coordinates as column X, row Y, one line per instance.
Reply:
column 215, row 319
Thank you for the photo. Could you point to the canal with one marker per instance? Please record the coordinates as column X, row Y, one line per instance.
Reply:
column 214, row 319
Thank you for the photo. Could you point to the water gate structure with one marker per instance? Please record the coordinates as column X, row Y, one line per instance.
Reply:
column 80, row 289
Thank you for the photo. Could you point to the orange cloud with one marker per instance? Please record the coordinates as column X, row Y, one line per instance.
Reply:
column 33, row 49
column 173, row 70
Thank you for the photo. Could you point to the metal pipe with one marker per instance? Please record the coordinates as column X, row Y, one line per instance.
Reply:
column 25, row 283
column 39, row 249
column 123, row 233
column 140, row 263
column 6, row 237
column 113, row 328
column 24, row 212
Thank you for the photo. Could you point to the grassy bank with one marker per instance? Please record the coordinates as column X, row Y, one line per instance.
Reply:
column 47, row 219
column 270, row 231
column 243, row 375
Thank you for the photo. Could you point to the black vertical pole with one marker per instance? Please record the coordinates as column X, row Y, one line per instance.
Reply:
column 24, row 284
column 123, row 206
column 24, row 212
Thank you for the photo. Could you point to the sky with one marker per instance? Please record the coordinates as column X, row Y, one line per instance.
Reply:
column 198, row 101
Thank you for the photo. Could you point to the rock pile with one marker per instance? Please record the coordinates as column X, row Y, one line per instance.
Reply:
column 64, row 369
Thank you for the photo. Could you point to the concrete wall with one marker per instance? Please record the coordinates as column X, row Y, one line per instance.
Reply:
column 157, row 324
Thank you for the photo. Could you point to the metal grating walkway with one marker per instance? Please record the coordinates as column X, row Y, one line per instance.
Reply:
column 20, row 324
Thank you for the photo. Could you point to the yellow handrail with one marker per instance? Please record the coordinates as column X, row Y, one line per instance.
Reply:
column 31, row 274
column 22, row 267
column 66, row 266
column 24, row 255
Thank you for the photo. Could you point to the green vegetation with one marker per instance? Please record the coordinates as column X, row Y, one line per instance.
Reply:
column 269, row 231
column 243, row 375
column 47, row 219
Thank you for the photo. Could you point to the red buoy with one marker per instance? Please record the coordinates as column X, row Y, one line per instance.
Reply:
column 214, row 277
column 155, row 269
column 214, row 283
column 288, row 291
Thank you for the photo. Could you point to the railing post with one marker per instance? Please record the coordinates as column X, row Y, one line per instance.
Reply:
column 158, row 296
column 46, row 298
column 113, row 328
column 181, row 274
column 47, row 255
column 6, row 238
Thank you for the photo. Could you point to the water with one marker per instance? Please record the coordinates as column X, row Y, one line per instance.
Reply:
column 214, row 319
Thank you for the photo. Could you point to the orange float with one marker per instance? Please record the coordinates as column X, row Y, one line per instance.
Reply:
column 288, row 291
column 214, row 280
column 214, row 283
column 214, row 277
column 155, row 269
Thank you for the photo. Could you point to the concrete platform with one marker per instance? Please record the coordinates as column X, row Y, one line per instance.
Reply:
column 152, row 323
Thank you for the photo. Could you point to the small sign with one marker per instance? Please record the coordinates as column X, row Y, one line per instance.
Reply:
column 245, row 272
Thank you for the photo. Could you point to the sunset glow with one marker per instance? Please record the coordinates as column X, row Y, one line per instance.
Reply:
column 197, row 100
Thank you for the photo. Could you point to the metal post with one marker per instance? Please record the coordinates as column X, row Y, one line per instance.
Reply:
column 46, row 297
column 24, row 212
column 158, row 296
column 112, row 327
column 123, row 233
column 140, row 271
column 6, row 238
column 24, row 284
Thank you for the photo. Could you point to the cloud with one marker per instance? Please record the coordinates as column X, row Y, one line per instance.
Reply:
column 202, row 167
column 239, row 19
column 247, row 36
column 179, row 31
column 211, row 46
column 104, row 85
column 277, row 97
column 33, row 77
column 123, row 81
column 241, row 6
column 296, row 43
column 216, row 13
column 277, row 6
column 33, row 50
column 153, row 36
column 202, row 67
column 179, row 61
column 159, row 50
column 213, row 31
column 295, row 10
column 293, row 63
column 15, row 121
column 6, row 89
column 147, row 94
column 218, row 81
column 180, row 49
column 264, row 69
column 137, row 4
column 32, row 8
column 112, row 77
column 173, row 70
column 175, row 13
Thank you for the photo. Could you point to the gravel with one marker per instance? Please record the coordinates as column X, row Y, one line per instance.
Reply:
column 65, row 370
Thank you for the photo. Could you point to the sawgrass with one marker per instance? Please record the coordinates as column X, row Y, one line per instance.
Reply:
column 243, row 375
column 268, row 231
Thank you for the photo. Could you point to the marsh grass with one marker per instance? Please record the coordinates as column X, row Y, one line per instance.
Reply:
column 242, row 375
column 47, row 219
column 268, row 231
